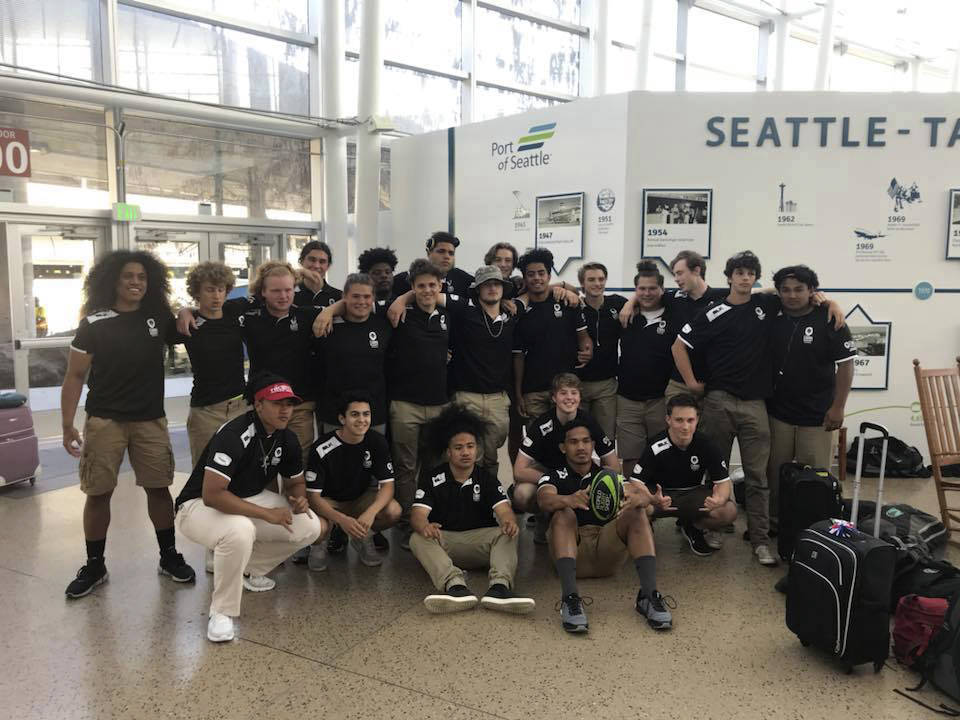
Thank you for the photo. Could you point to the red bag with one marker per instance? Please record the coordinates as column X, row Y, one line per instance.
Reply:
column 915, row 623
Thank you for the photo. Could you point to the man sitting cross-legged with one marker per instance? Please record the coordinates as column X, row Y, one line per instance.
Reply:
column 678, row 460
column 584, row 546
column 461, row 515
column 350, row 481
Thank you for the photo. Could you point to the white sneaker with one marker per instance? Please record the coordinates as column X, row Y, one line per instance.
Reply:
column 220, row 628
column 764, row 556
column 258, row 583
column 713, row 539
column 208, row 561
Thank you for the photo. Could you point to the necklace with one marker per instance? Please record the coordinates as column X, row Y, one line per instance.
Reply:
column 265, row 454
column 488, row 324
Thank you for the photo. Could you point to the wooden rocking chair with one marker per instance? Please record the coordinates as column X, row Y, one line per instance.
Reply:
column 939, row 392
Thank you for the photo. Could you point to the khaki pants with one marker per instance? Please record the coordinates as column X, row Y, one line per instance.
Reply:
column 811, row 446
column 727, row 417
column 483, row 547
column 301, row 424
column 536, row 404
column 204, row 421
column 495, row 409
column 406, row 420
column 599, row 398
column 104, row 443
column 637, row 422
column 675, row 387
column 600, row 550
column 242, row 544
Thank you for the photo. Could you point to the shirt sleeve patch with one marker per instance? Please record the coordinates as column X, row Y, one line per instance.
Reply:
column 222, row 459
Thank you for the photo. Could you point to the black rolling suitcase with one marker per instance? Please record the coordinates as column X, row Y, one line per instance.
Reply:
column 839, row 585
column 807, row 495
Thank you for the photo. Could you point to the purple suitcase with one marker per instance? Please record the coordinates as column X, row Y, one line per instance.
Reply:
column 19, row 450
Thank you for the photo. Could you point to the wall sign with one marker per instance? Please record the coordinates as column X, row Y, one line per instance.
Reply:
column 560, row 227
column 14, row 152
column 871, row 366
column 953, row 225
column 675, row 220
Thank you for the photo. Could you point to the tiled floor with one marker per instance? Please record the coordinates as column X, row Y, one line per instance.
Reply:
column 357, row 642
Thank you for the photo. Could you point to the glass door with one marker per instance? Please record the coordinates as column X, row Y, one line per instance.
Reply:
column 243, row 253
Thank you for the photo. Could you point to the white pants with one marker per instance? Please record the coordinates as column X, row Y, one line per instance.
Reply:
column 243, row 544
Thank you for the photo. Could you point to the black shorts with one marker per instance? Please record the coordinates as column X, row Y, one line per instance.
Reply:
column 686, row 502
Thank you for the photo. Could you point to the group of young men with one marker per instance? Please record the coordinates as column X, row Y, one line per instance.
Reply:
column 386, row 405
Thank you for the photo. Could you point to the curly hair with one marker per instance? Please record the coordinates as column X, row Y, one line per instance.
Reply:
column 453, row 420
column 375, row 256
column 100, row 286
column 537, row 255
column 209, row 273
column 269, row 269
column 801, row 273
column 744, row 260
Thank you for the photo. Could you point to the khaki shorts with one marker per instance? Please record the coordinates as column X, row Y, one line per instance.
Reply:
column 104, row 443
column 600, row 551
column 354, row 508
column 204, row 421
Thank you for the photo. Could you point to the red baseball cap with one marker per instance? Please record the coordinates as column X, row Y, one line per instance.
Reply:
column 277, row 391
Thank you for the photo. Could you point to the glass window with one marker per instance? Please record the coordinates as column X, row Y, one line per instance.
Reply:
column 294, row 244
column 171, row 56
column 800, row 65
column 934, row 80
column 494, row 103
column 625, row 17
column 432, row 39
column 568, row 10
column 179, row 251
column 68, row 161
column 622, row 71
column 181, row 169
column 519, row 52
column 352, row 176
column 55, row 36
column 284, row 14
column 417, row 102
column 856, row 74
column 722, row 44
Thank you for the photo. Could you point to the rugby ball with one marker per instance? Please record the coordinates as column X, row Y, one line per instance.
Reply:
column 606, row 493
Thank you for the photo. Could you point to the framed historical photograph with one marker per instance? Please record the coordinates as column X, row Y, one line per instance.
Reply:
column 953, row 225
column 559, row 226
column 675, row 220
column 871, row 366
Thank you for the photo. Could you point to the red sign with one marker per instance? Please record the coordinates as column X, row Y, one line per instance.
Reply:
column 14, row 152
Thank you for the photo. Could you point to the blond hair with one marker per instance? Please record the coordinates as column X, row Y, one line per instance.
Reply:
column 271, row 268
column 209, row 273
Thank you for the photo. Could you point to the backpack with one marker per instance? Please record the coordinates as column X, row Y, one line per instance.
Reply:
column 902, row 460
column 906, row 522
column 915, row 623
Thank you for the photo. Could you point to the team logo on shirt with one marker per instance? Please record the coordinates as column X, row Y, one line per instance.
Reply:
column 222, row 459
column 374, row 343
column 439, row 479
column 637, row 469
column 761, row 315
column 240, row 321
column 476, row 492
column 850, row 345
column 419, row 495
column 694, row 462
column 546, row 428
column 152, row 327
column 527, row 442
column 389, row 466
column 562, row 474
column 275, row 460
column 807, row 335
column 661, row 327
column 200, row 321
column 614, row 314
column 557, row 312
column 367, row 462
column 443, row 322
column 293, row 324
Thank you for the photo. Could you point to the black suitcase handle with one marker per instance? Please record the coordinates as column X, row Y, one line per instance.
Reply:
column 864, row 426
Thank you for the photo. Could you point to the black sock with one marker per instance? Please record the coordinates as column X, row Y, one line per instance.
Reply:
column 95, row 550
column 166, row 540
column 646, row 566
column 567, row 570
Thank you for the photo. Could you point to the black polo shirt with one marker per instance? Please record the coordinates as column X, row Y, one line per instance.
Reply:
column 243, row 453
column 305, row 297
column 457, row 282
column 805, row 351
column 215, row 348
column 683, row 309
column 547, row 336
column 482, row 359
column 567, row 481
column 735, row 341
column 604, row 328
column 284, row 346
column 338, row 470
column 460, row 506
column 542, row 438
column 353, row 357
column 675, row 468
column 417, row 361
column 126, row 370
column 646, row 360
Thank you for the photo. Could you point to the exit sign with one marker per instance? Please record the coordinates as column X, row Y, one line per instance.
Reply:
column 126, row 212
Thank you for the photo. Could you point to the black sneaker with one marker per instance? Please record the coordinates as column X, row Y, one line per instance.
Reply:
column 88, row 577
column 380, row 542
column 175, row 567
column 499, row 597
column 454, row 599
column 698, row 543
column 655, row 609
column 337, row 542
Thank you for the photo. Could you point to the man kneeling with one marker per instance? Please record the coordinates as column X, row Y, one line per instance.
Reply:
column 679, row 460
column 226, row 507
column 584, row 546
column 455, row 517
column 350, row 481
